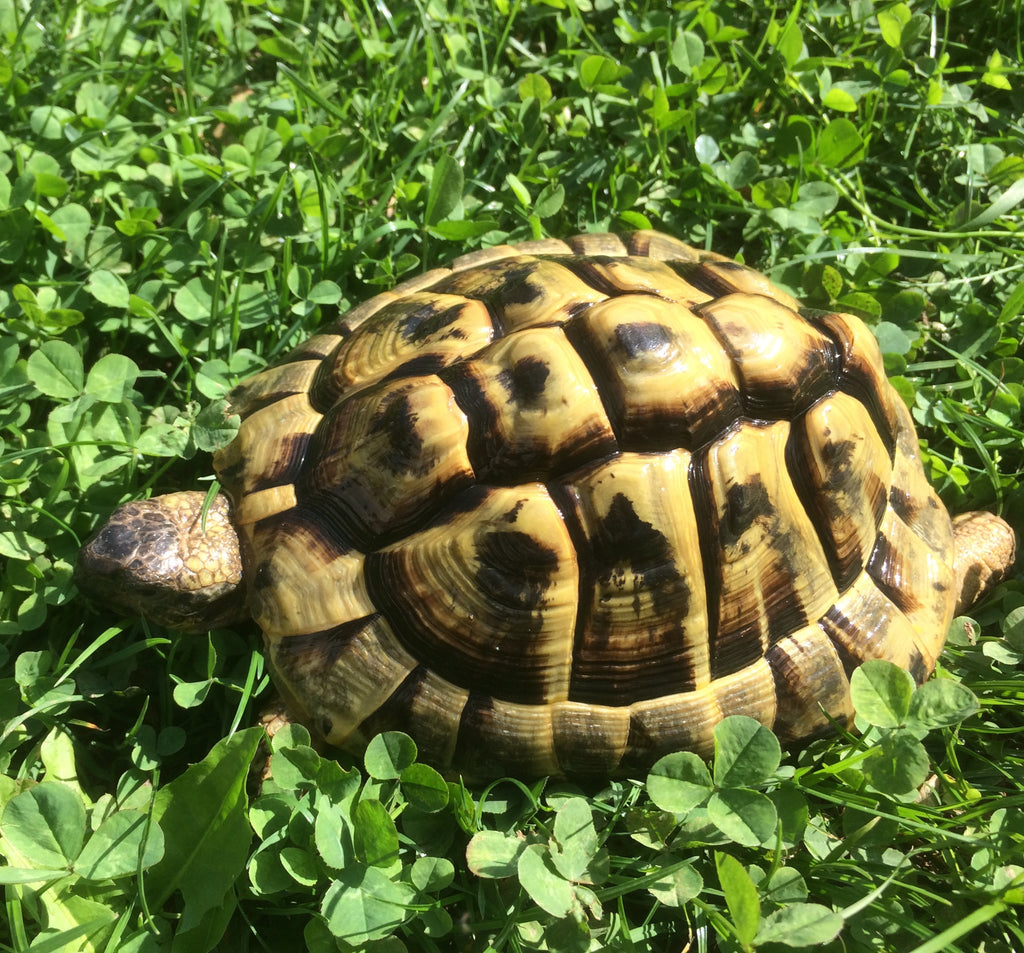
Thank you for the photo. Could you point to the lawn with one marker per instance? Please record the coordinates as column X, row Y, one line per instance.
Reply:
column 189, row 187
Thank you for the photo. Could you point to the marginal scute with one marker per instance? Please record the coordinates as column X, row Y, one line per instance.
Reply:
column 686, row 722
column 304, row 582
column 281, row 380
column 811, row 685
column 269, row 448
column 590, row 740
column 429, row 706
column 640, row 276
column 910, row 572
column 598, row 244
column 746, row 281
column 331, row 679
column 314, row 348
column 547, row 294
column 911, row 495
column 661, row 247
column 530, row 293
column 863, row 373
column 864, row 624
column 494, row 733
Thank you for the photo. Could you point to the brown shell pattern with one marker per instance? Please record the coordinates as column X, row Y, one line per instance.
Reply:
column 564, row 506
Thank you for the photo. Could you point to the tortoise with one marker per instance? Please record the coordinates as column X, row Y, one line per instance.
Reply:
column 560, row 508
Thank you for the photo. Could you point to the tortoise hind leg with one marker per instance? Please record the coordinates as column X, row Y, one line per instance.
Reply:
column 985, row 548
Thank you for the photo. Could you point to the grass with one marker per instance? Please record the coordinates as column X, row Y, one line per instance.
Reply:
column 189, row 188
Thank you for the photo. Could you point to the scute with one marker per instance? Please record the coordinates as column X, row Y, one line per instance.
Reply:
column 563, row 506
column 643, row 628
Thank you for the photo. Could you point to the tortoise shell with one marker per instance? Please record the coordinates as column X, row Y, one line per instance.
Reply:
column 562, row 507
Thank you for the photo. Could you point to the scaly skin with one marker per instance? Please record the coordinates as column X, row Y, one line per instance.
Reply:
column 168, row 560
column 985, row 551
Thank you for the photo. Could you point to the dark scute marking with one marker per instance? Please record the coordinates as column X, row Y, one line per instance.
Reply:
column 498, row 284
column 838, row 457
column 230, row 475
column 744, row 504
column 701, row 278
column 865, row 389
column 918, row 668
column 833, row 351
column 300, row 657
column 885, row 567
column 422, row 365
column 624, row 537
column 734, row 650
column 339, row 515
column 319, row 514
column 832, row 623
column 585, row 748
column 497, row 655
column 397, row 422
column 801, row 691
column 264, row 577
column 643, row 337
column 525, row 381
column 515, row 569
column 323, row 534
column 643, row 748
column 470, row 499
column 513, row 514
column 291, row 455
column 395, row 714
column 521, row 289
column 483, row 417
column 249, row 405
column 710, row 550
column 427, row 321
column 785, row 617
column 654, row 672
column 324, row 390
column 473, row 749
column 904, row 507
column 824, row 508
column 587, row 270
column 854, row 380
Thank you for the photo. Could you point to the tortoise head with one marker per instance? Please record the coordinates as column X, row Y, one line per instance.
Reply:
column 171, row 559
